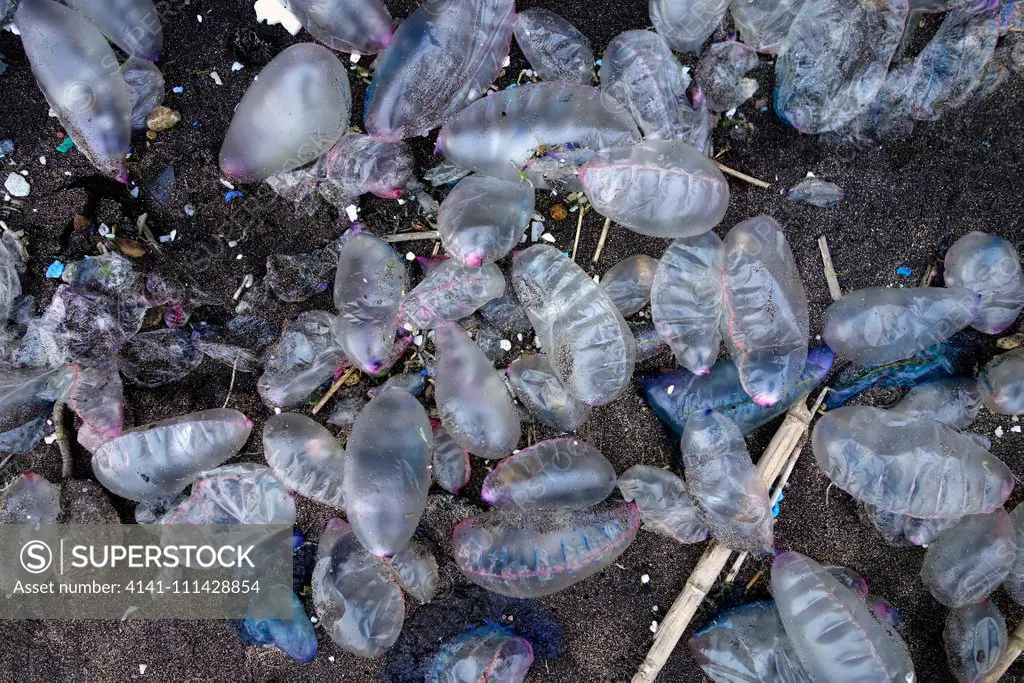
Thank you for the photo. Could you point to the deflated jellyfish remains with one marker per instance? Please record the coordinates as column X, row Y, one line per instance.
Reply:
column 551, row 335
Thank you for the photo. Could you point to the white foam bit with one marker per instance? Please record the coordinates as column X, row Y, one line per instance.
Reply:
column 274, row 12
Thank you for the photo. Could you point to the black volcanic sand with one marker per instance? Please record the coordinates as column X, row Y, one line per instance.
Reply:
column 905, row 202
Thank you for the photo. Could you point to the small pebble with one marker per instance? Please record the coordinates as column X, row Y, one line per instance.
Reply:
column 237, row 66
column 216, row 78
column 645, row 579
column 548, row 237
column 189, row 210
column 1015, row 429
column 505, row 345
column 17, row 185
column 178, row 89
column 134, row 191
column 42, row 160
column 330, row 658
column 142, row 668
column 671, row 388
column 354, row 57
column 654, row 627
column 410, row 256
column 162, row 118
column 352, row 212
column 999, row 432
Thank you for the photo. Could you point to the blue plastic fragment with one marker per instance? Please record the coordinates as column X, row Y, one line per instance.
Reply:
column 904, row 271
column 55, row 270
column 135, row 191
column 775, row 508
column 178, row 89
column 232, row 194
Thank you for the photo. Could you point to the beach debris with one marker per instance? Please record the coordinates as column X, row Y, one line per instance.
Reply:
column 162, row 118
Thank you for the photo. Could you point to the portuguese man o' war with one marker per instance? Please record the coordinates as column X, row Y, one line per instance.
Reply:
column 387, row 472
column 132, row 25
column 360, row 26
column 639, row 71
column 295, row 637
column 686, row 24
column 816, row 192
column 158, row 357
column 368, row 289
column 677, row 394
column 954, row 401
column 529, row 556
column 163, row 458
column 558, row 474
column 765, row 325
column 935, row 362
column 10, row 282
column 880, row 325
column 508, row 132
column 722, row 75
column 591, row 349
column 545, row 398
column 29, row 499
column 450, row 292
column 910, row 466
column 306, row 357
column 358, row 164
column 834, row 59
column 296, row 109
column 664, row 503
column 359, row 604
column 449, row 462
column 724, row 484
column 555, row 49
column 764, row 24
column 747, row 643
column 472, row 401
column 78, row 74
column 415, row 569
column 950, row 68
column 305, row 457
column 145, row 89
column 628, row 283
column 489, row 654
column 442, row 57
column 1014, row 583
column 974, row 639
column 970, row 559
column 987, row 265
column 482, row 218
column 686, row 300
column 831, row 629
column 897, row 530
column 661, row 188
column 1002, row 383
column 242, row 493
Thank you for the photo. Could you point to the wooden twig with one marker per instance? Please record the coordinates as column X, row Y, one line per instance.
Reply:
column 345, row 376
column 412, row 236
column 1014, row 648
column 715, row 557
column 929, row 275
column 742, row 176
column 579, row 228
column 231, row 386
column 601, row 240
column 66, row 459
column 830, row 270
